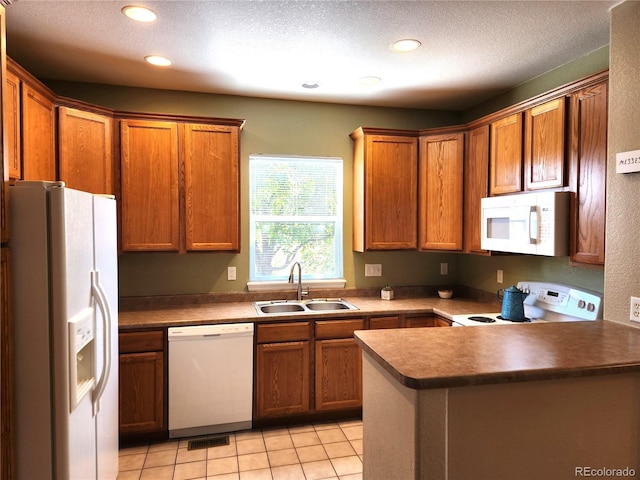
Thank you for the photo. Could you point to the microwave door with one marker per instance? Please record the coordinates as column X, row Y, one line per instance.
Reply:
column 523, row 227
column 509, row 229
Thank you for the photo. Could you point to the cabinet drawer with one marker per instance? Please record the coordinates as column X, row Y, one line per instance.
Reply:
column 417, row 322
column 338, row 328
column 134, row 342
column 282, row 332
column 384, row 322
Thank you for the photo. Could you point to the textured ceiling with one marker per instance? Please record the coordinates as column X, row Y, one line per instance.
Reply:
column 471, row 50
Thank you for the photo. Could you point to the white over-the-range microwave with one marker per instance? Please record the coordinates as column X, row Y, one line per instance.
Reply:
column 532, row 223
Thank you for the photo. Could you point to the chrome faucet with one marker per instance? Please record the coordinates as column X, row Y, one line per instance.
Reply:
column 301, row 293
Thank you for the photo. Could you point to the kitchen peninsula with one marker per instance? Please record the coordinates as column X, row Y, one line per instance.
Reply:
column 539, row 401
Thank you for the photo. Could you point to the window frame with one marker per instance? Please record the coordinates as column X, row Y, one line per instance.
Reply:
column 333, row 280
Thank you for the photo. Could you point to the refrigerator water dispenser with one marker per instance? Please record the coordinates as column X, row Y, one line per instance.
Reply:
column 81, row 356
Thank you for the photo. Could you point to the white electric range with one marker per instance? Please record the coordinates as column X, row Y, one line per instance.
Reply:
column 546, row 302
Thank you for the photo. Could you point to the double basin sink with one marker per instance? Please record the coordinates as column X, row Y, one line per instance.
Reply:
column 302, row 307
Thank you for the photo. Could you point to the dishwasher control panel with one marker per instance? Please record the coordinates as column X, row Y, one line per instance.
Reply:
column 211, row 330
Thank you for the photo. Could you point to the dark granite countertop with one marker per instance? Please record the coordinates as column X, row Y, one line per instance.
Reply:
column 454, row 357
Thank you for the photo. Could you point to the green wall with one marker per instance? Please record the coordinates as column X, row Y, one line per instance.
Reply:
column 272, row 127
column 306, row 128
column 580, row 67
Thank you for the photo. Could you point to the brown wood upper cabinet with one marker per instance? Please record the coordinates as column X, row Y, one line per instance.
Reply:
column 38, row 135
column 85, row 150
column 476, row 185
column 212, row 189
column 149, row 185
column 31, row 126
column 505, row 174
column 529, row 154
column 440, row 191
column 385, row 174
column 588, row 160
column 544, row 145
column 164, row 211
column 12, row 124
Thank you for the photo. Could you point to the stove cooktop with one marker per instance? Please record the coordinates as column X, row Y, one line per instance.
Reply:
column 546, row 302
column 470, row 320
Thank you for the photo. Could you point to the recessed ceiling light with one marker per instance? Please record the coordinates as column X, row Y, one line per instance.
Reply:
column 406, row 45
column 140, row 14
column 310, row 85
column 158, row 60
column 369, row 81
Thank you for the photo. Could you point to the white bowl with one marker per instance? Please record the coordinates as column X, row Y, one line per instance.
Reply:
column 445, row 293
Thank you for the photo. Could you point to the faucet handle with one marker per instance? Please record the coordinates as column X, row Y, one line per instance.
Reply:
column 305, row 293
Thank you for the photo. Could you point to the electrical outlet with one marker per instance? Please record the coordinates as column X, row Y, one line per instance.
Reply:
column 372, row 270
column 444, row 269
column 499, row 276
column 634, row 309
column 231, row 273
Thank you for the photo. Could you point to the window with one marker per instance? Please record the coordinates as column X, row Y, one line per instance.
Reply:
column 295, row 216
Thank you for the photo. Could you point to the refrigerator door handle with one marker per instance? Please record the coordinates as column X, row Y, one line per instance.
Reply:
column 101, row 300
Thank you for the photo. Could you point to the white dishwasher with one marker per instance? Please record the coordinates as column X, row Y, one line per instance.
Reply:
column 210, row 379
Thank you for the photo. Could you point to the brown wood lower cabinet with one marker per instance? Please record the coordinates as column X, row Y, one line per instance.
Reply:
column 142, row 383
column 384, row 322
column 426, row 321
column 283, row 379
column 338, row 375
column 282, row 376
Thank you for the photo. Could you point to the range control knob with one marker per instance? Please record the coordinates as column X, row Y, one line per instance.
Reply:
column 581, row 303
column 591, row 307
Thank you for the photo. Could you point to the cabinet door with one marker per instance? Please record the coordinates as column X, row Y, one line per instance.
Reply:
column 440, row 184
column 38, row 136
column 7, row 430
column 212, row 189
column 12, row 119
column 149, row 182
column 142, row 393
column 338, row 374
column 476, row 185
column 588, row 156
column 544, row 145
column 391, row 189
column 282, row 379
column 506, row 155
column 427, row 321
column 384, row 322
column 85, row 150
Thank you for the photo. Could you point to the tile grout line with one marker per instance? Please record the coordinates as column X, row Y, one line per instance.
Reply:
column 313, row 429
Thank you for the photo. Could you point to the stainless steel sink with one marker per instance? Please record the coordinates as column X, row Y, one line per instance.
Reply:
column 328, row 305
column 280, row 308
column 302, row 307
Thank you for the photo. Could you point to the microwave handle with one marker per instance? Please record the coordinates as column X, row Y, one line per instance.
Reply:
column 533, row 225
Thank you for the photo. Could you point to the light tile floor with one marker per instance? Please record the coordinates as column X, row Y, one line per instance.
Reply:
column 309, row 452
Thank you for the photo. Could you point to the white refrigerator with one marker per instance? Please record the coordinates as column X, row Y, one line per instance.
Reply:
column 65, row 311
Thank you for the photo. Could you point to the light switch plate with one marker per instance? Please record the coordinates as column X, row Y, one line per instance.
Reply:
column 231, row 273
column 373, row 270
